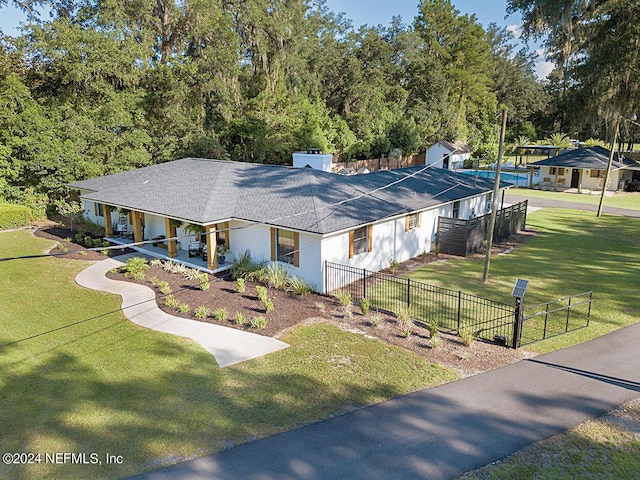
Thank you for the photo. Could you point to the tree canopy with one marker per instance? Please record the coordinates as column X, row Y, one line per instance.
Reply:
column 96, row 87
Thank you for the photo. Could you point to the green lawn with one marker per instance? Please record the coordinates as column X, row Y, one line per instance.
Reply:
column 574, row 252
column 76, row 376
column 629, row 200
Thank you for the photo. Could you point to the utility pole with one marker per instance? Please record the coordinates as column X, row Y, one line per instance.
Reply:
column 494, row 202
column 606, row 174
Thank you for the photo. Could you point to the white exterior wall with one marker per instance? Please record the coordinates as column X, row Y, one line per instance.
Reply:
column 435, row 154
column 588, row 182
column 317, row 161
column 391, row 242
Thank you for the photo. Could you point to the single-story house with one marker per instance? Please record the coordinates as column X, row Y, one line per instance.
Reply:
column 450, row 156
column 585, row 168
column 299, row 217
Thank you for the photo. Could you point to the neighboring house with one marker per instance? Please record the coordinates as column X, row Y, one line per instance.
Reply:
column 585, row 168
column 450, row 156
column 298, row 217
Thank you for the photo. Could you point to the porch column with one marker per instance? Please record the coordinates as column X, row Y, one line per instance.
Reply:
column 555, row 183
column 172, row 251
column 108, row 225
column 582, row 172
column 212, row 258
column 138, row 234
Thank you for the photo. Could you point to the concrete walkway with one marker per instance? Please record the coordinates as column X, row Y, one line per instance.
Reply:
column 440, row 433
column 227, row 345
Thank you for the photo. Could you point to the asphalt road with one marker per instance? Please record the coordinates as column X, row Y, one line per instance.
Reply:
column 442, row 432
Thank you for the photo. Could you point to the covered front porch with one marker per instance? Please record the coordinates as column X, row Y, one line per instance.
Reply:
column 181, row 256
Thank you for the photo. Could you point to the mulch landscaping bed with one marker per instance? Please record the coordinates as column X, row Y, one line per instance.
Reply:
column 291, row 310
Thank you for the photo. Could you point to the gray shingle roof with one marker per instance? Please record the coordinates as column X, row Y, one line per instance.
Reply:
column 593, row 158
column 206, row 191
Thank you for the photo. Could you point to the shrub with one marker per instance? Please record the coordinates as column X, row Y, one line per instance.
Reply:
column 403, row 315
column 79, row 237
column 12, row 216
column 88, row 241
column 240, row 319
column 179, row 269
column 268, row 305
column 258, row 322
column 298, row 286
column 154, row 281
column 192, row 274
column 393, row 265
column 204, row 284
column 135, row 266
column 365, row 304
column 344, row 298
column 406, row 332
column 376, row 319
column 436, row 250
column 164, row 287
column 261, row 292
column 171, row 301
column 183, row 308
column 320, row 306
column 240, row 285
column 436, row 342
column 346, row 312
column 202, row 311
column 276, row 276
column 467, row 335
column 434, row 328
column 156, row 262
column 244, row 265
column 167, row 266
column 220, row 314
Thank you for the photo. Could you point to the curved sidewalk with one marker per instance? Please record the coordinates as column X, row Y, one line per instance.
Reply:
column 227, row 345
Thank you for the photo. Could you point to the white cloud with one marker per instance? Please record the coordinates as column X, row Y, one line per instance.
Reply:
column 515, row 29
column 543, row 67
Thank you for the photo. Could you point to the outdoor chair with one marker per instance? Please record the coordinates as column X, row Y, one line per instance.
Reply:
column 195, row 248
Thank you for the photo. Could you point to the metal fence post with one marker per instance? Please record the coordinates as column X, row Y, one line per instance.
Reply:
column 408, row 293
column 364, row 283
column 459, row 307
column 589, row 311
column 566, row 328
column 517, row 324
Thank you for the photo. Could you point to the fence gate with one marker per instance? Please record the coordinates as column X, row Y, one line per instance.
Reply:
column 554, row 318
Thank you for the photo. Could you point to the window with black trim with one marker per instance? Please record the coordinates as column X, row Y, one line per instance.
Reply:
column 596, row 173
column 558, row 170
column 456, row 209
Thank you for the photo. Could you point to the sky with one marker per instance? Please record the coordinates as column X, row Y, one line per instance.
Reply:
column 376, row 12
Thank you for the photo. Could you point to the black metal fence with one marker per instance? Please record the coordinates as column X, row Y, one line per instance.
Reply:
column 551, row 319
column 462, row 237
column 452, row 309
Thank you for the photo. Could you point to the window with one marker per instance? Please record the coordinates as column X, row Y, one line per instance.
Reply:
column 360, row 240
column 456, row 209
column 97, row 208
column 554, row 170
column 285, row 246
column 412, row 221
column 596, row 173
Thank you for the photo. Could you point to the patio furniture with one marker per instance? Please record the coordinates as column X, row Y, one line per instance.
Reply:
column 195, row 248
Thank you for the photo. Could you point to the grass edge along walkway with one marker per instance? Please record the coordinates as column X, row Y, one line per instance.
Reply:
column 76, row 376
